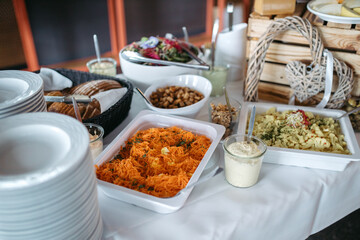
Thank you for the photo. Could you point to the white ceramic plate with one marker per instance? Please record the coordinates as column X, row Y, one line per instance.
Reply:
column 88, row 227
column 333, row 18
column 39, row 137
column 11, row 88
column 305, row 158
column 37, row 107
column 47, row 172
column 18, row 86
column 35, row 99
column 98, row 230
column 144, row 120
column 66, row 203
column 26, row 197
column 23, row 103
column 58, row 211
column 67, row 225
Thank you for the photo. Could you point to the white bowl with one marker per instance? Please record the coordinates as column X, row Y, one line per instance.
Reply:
column 144, row 75
column 195, row 82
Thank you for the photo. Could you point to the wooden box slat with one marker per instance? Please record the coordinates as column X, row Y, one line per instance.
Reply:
column 338, row 25
column 342, row 39
column 285, row 53
column 281, row 94
column 333, row 38
column 274, row 93
column 275, row 73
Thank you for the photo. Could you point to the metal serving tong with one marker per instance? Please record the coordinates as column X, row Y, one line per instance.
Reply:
column 68, row 99
column 192, row 55
column 137, row 58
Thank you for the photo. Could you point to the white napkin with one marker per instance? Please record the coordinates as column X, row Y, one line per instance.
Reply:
column 54, row 80
column 109, row 98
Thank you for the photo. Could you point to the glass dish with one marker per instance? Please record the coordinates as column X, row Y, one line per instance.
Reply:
column 218, row 78
column 243, row 157
column 107, row 66
column 219, row 114
column 96, row 133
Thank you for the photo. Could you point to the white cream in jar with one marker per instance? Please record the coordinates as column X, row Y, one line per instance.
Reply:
column 107, row 66
column 243, row 163
column 96, row 133
column 96, row 145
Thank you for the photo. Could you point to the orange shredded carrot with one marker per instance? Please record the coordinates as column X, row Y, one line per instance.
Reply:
column 156, row 161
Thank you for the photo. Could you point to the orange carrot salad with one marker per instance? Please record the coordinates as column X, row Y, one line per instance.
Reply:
column 156, row 161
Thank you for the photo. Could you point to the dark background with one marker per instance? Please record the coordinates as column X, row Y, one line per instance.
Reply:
column 63, row 30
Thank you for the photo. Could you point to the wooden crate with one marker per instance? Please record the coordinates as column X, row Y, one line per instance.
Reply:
column 343, row 40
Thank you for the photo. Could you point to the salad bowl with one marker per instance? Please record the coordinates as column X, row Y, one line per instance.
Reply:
column 143, row 75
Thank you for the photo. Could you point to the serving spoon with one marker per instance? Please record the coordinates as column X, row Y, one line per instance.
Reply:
column 136, row 57
column 230, row 11
column 143, row 95
column 215, row 31
column 97, row 48
column 348, row 113
column 229, row 108
column 251, row 123
column 186, row 35
column 227, row 100
column 76, row 109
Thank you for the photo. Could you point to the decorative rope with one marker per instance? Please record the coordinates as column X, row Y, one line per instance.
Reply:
column 305, row 83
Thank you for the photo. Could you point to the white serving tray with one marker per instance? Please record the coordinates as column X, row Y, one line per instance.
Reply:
column 305, row 158
column 333, row 18
column 144, row 120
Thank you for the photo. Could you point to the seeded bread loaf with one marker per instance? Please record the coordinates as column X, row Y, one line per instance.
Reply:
column 89, row 89
column 93, row 87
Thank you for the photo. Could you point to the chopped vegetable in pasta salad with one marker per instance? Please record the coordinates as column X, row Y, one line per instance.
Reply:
column 300, row 130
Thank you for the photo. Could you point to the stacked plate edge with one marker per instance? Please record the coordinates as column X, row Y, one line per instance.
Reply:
column 47, row 179
column 20, row 92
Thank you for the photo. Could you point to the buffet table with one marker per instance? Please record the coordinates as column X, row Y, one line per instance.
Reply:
column 287, row 202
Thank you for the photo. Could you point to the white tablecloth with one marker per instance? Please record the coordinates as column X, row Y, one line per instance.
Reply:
column 287, row 202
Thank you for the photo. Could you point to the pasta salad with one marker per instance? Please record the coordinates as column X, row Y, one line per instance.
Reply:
column 300, row 130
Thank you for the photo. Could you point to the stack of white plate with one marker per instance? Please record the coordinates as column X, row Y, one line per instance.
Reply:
column 21, row 92
column 47, row 179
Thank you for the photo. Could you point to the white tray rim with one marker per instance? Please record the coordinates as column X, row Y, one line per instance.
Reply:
column 321, row 160
column 161, row 205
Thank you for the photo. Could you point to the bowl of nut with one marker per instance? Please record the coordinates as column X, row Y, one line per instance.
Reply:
column 181, row 95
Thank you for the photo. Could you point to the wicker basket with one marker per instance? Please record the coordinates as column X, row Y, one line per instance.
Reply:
column 112, row 117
